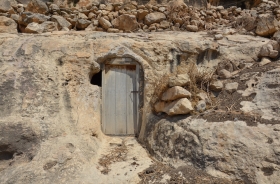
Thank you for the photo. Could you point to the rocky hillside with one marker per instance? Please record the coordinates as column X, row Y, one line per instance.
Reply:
column 210, row 99
column 39, row 17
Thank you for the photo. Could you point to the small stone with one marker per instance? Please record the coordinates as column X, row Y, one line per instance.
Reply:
column 231, row 87
column 216, row 86
column 264, row 61
column 192, row 28
column 155, row 17
column 175, row 93
column 219, row 37
column 104, row 23
column 113, row 30
column 224, row 74
column 201, row 106
column 37, row 6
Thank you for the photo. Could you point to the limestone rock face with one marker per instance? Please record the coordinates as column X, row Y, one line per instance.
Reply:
column 266, row 25
column 37, row 6
column 179, row 80
column 223, row 147
column 7, row 25
column 50, row 127
column 180, row 106
column 125, row 22
column 175, row 93
column 156, row 17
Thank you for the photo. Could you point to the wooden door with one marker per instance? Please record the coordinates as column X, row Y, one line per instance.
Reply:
column 120, row 99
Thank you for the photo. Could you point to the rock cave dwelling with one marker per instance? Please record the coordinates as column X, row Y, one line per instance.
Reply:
column 139, row 92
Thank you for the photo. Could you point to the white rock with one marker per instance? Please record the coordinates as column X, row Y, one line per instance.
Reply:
column 224, row 74
column 159, row 106
column 181, row 106
column 175, row 93
column 264, row 61
column 179, row 80
column 231, row 87
column 216, row 85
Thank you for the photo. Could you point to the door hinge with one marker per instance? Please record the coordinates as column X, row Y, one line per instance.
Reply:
column 134, row 91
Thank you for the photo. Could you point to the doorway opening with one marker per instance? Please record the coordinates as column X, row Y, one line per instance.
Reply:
column 96, row 79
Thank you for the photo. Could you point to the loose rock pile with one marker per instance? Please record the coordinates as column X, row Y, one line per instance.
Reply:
column 39, row 17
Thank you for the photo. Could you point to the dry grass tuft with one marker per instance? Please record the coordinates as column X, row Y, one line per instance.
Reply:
column 117, row 154
column 200, row 79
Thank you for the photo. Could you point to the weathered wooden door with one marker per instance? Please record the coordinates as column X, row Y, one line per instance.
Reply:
column 120, row 99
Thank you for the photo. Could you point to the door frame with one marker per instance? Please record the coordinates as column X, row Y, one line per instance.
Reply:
column 121, row 61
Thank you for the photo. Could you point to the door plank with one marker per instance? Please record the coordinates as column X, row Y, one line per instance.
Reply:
column 110, row 101
column 120, row 100
column 130, row 100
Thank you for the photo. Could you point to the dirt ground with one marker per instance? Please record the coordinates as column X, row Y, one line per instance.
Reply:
column 228, row 104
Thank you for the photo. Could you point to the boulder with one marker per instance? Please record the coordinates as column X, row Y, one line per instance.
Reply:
column 179, row 80
column 216, row 86
column 33, row 28
column 7, row 25
column 82, row 24
column 105, row 24
column 37, row 6
column 155, row 17
column 192, row 28
column 269, row 50
column 28, row 17
column 231, row 87
column 47, row 26
column 175, row 93
column 266, row 25
column 61, row 22
column 180, row 106
column 126, row 23
column 5, row 6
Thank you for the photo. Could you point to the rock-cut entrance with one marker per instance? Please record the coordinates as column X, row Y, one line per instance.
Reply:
column 120, row 97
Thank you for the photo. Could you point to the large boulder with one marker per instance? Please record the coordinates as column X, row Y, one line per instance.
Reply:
column 180, row 106
column 175, row 93
column 155, row 17
column 7, row 25
column 126, row 23
column 37, row 6
column 61, row 22
column 266, row 25
column 28, row 17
